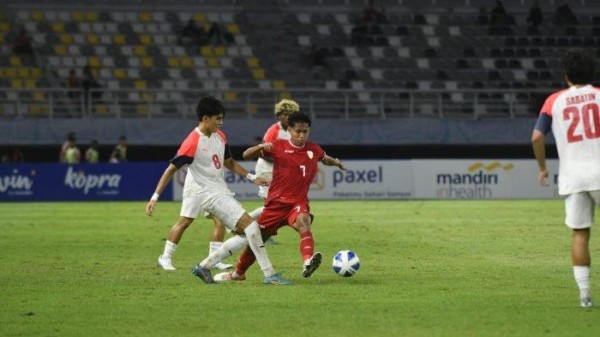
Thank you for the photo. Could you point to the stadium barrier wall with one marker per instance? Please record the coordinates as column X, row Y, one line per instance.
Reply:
column 364, row 179
column 63, row 182
column 416, row 179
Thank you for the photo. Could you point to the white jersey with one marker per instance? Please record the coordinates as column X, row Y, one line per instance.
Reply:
column 575, row 116
column 205, row 171
column 276, row 131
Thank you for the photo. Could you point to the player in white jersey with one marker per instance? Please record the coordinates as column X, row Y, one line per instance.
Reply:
column 573, row 114
column 279, row 130
column 206, row 152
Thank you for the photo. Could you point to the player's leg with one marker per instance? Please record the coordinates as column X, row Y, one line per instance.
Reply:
column 301, row 223
column 216, row 241
column 245, row 260
column 579, row 209
column 165, row 259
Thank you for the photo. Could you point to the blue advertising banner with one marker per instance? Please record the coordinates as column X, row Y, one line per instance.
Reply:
column 64, row 182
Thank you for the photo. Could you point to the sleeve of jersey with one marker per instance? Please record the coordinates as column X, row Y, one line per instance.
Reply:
column 319, row 152
column 271, row 134
column 187, row 150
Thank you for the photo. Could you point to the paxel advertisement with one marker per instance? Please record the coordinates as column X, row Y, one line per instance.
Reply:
column 64, row 182
column 372, row 179
column 482, row 179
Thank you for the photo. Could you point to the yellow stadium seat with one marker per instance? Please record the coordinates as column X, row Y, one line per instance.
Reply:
column 147, row 62
column 258, row 74
column 219, row 51
column 11, row 72
column 140, row 85
column 2, row 38
column 230, row 96
column 30, row 84
column 60, row 50
column 142, row 109
column 92, row 39
column 145, row 17
column 4, row 27
column 23, row 72
column 39, row 96
column 285, row 95
column 145, row 39
column 58, row 27
column 206, row 51
column 94, row 61
column 91, row 16
column 66, row 38
column 233, row 28
column 186, row 62
column 213, row 62
column 101, row 109
column 173, row 62
column 37, row 16
column 78, row 16
column 36, row 72
column 200, row 17
column 38, row 109
column 16, row 84
column 278, row 84
column 140, row 50
column 252, row 62
column 119, row 39
column 15, row 61
column 148, row 96
column 2, row 72
column 119, row 73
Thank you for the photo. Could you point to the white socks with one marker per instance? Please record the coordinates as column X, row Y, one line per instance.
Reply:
column 214, row 245
column 169, row 250
column 258, row 248
column 225, row 249
column 582, row 277
column 256, row 213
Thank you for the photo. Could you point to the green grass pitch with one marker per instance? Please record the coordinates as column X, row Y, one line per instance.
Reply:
column 428, row 268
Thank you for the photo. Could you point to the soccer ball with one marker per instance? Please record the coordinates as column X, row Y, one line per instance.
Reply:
column 346, row 263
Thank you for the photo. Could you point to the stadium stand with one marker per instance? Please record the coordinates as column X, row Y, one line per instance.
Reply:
column 422, row 58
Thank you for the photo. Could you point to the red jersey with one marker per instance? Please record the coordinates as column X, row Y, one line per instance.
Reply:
column 294, row 169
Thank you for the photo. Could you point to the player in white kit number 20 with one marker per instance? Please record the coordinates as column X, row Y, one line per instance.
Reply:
column 573, row 114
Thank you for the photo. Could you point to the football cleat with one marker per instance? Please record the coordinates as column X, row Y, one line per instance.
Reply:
column 228, row 276
column 586, row 302
column 276, row 279
column 312, row 265
column 223, row 266
column 203, row 274
column 165, row 264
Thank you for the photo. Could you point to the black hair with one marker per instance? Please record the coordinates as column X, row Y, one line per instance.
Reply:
column 298, row 117
column 579, row 66
column 209, row 106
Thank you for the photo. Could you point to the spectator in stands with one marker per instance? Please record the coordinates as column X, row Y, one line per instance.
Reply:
column 319, row 67
column 119, row 153
column 215, row 37
column 498, row 15
column 73, row 83
column 72, row 153
column 5, row 159
column 564, row 15
column 358, row 36
column 369, row 12
column 22, row 46
column 91, row 154
column 17, row 156
column 535, row 18
column 63, row 150
column 191, row 34
column 482, row 17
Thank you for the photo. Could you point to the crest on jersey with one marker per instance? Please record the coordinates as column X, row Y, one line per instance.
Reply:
column 309, row 154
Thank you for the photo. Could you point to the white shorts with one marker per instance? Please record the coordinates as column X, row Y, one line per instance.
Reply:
column 221, row 205
column 579, row 209
column 263, row 191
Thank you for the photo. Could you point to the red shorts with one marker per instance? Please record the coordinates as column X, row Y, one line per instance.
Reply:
column 276, row 215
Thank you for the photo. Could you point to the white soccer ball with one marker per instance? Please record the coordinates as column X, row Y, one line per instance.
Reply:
column 346, row 263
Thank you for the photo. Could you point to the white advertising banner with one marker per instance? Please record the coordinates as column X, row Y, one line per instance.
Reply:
column 482, row 179
column 364, row 179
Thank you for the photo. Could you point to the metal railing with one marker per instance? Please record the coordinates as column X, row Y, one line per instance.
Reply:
column 258, row 103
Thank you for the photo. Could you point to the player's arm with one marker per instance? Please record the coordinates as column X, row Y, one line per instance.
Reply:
column 257, row 150
column 330, row 161
column 176, row 164
column 538, row 141
column 232, row 165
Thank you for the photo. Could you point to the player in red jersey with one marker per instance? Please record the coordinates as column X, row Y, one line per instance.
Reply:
column 295, row 164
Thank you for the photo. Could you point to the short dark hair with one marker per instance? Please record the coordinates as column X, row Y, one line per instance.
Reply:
column 579, row 66
column 209, row 106
column 298, row 117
